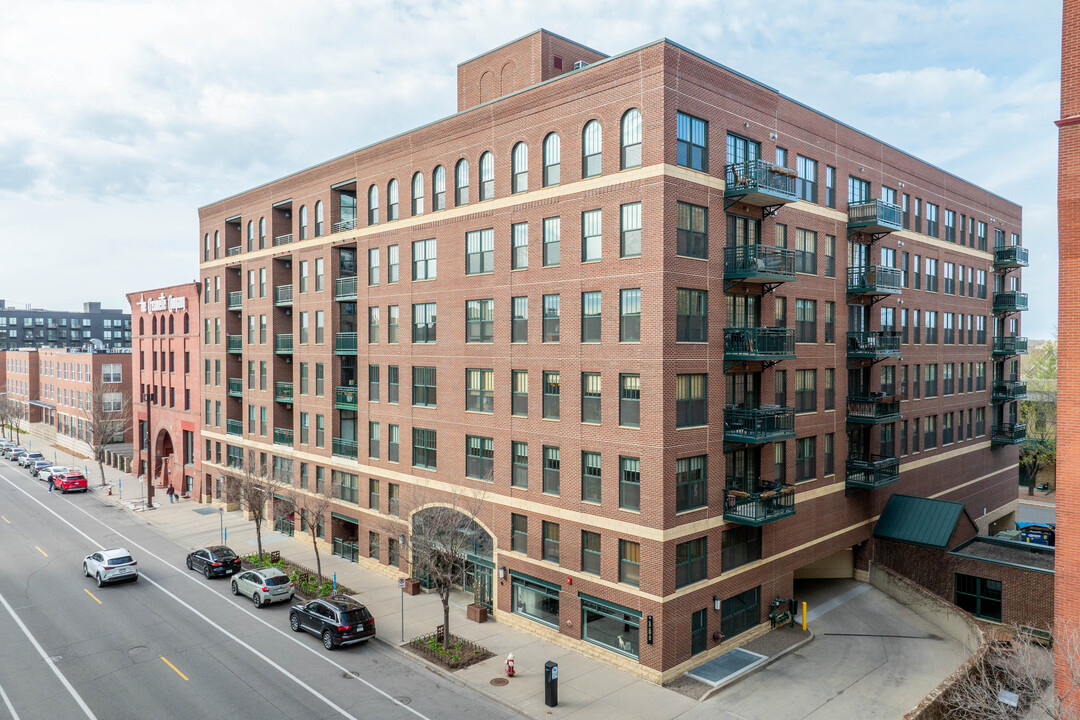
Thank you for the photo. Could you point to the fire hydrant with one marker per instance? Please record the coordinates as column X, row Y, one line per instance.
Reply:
column 510, row 665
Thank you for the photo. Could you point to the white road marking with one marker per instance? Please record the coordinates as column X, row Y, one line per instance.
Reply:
column 7, row 703
column 46, row 658
column 213, row 624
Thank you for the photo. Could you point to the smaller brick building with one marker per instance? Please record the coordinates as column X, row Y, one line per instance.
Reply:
column 71, row 384
column 21, row 373
column 165, row 386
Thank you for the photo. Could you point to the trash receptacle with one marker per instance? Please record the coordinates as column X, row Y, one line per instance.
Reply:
column 551, row 684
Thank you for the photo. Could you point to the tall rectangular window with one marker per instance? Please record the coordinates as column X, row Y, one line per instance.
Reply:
column 479, row 457
column 423, row 323
column 392, row 383
column 373, row 383
column 519, row 319
column 391, row 264
column 931, row 219
column 519, row 394
column 373, row 266
column 479, row 321
column 480, row 252
column 630, row 230
column 550, row 549
column 830, row 186
column 690, row 400
column 392, row 324
column 424, row 386
column 590, row 552
column 519, row 531
column 805, row 251
column 806, row 182
column 373, row 325
column 590, row 398
column 805, row 390
column 630, row 400
column 691, row 142
column 590, row 477
column 805, row 458
column 629, row 563
column 373, row 451
column 480, row 390
column 551, row 395
column 692, row 233
column 691, row 315
column 591, row 235
column 551, row 318
column 830, row 321
column 552, row 233
column 519, row 475
column 424, row 260
column 806, row 321
column 424, row 448
column 551, row 470
column 690, row 562
column 830, row 256
column 590, row 317
column 690, row 483
column 830, row 453
column 629, row 483
column 393, row 444
column 630, row 315
column 519, row 238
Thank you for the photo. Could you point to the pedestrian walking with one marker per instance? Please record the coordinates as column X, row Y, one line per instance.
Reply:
column 171, row 492
column 52, row 484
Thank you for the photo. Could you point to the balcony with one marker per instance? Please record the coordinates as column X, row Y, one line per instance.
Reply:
column 236, row 250
column 234, row 427
column 873, row 280
column 283, row 392
column 758, row 264
column 759, row 344
column 236, row 387
column 1008, row 391
column 1010, row 345
column 1010, row 302
column 283, row 436
column 873, row 344
column 283, row 344
column 863, row 474
column 282, row 239
column 759, row 425
column 873, row 409
column 234, row 343
column 345, row 288
column 759, row 508
column 344, row 225
column 345, row 448
column 1013, row 256
column 875, row 217
column 1008, row 434
column 759, row 183
column 283, row 296
column 345, row 398
column 345, row 343
column 235, row 300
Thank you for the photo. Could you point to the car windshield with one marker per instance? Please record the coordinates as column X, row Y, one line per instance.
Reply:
column 122, row 560
column 357, row 616
column 224, row 553
column 277, row 580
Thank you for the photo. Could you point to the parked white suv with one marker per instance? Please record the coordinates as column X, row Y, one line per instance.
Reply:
column 263, row 586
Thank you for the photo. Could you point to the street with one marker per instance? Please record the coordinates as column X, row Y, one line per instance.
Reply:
column 171, row 644
column 1035, row 511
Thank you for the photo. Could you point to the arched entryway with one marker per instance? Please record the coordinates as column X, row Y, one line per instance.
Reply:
column 465, row 540
column 163, row 456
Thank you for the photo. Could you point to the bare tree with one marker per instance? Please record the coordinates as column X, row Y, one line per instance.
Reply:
column 257, row 485
column 313, row 508
column 107, row 415
column 442, row 536
column 8, row 409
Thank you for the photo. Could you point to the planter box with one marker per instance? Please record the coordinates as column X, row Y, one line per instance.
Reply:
column 477, row 613
column 412, row 587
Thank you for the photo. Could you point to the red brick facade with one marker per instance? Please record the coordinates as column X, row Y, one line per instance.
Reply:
column 70, row 382
column 22, row 383
column 291, row 277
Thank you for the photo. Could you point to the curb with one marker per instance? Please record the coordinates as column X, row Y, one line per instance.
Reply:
column 759, row 666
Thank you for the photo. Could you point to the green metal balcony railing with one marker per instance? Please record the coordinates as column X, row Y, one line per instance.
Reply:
column 346, row 549
column 1008, row 434
column 236, row 387
column 759, row 344
column 345, row 343
column 235, row 300
column 234, row 343
column 346, row 448
column 760, row 183
column 283, row 344
column 873, row 344
column 872, row 409
column 1012, row 256
column 1011, row 301
column 283, row 295
column 872, row 473
column 874, row 216
column 759, row 263
column 758, row 425
column 345, row 398
column 283, row 392
column 283, row 436
column 234, row 427
column 285, row 526
column 873, row 280
column 1008, row 391
column 759, row 508
column 345, row 288
column 1010, row 345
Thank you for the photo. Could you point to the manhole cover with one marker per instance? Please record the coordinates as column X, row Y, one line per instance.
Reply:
column 351, row 674
column 404, row 699
column 137, row 649
column 499, row 682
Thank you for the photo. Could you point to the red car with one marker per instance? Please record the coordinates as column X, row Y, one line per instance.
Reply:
column 71, row 482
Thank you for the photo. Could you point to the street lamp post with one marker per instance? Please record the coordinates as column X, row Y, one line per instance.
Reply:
column 148, row 396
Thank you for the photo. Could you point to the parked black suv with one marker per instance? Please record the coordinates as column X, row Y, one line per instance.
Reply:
column 338, row 620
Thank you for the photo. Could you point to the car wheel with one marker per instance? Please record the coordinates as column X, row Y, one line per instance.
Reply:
column 99, row 583
column 294, row 622
column 256, row 598
column 63, row 491
column 85, row 572
column 206, row 571
column 235, row 590
column 327, row 640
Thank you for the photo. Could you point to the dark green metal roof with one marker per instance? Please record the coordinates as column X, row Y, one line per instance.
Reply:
column 918, row 521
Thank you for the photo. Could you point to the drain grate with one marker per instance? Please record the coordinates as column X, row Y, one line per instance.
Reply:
column 499, row 682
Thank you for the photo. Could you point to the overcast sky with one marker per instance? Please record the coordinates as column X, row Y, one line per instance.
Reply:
column 119, row 119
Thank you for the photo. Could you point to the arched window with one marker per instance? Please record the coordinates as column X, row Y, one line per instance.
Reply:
column 590, row 149
column 206, row 247
column 262, row 233
column 631, row 138
column 418, row 193
column 142, row 326
column 303, row 222
column 552, row 159
column 217, row 243
column 461, row 183
column 438, row 188
column 487, row 176
column 251, row 235
column 373, row 205
column 187, row 324
column 391, row 200
column 172, row 326
column 153, row 325
column 519, row 170
column 318, row 218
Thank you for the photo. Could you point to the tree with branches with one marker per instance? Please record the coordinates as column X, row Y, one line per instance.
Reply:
column 313, row 508
column 9, row 416
column 108, row 417
column 1039, row 412
column 256, row 485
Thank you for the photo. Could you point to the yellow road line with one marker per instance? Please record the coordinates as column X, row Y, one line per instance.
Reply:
column 92, row 595
column 173, row 667
column 42, row 551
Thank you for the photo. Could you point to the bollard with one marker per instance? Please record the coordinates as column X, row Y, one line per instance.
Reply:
column 804, row 615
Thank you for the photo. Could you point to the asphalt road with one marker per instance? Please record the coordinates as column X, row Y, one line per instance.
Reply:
column 172, row 644
column 1032, row 512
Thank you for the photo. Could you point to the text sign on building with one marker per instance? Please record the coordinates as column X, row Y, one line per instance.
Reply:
column 161, row 303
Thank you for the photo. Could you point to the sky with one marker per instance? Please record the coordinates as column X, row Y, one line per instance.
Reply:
column 119, row 119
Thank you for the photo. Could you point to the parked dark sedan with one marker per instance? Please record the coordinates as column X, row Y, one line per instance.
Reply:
column 218, row 560
column 338, row 620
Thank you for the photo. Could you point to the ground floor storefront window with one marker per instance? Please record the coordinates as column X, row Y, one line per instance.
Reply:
column 535, row 599
column 609, row 625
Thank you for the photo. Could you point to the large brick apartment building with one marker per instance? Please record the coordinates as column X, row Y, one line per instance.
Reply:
column 762, row 322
